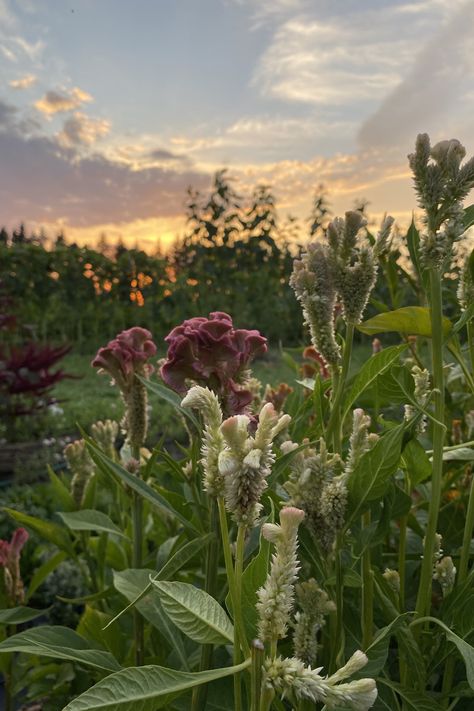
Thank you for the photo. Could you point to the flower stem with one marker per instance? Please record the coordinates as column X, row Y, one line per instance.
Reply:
column 237, row 604
column 423, row 602
column 338, row 642
column 212, row 559
column 339, row 383
column 367, row 590
column 258, row 656
column 137, row 528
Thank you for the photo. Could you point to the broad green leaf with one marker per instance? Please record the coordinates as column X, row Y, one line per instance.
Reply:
column 416, row 462
column 414, row 700
column 172, row 398
column 351, row 579
column 412, row 320
column 43, row 571
column 46, row 529
column 371, row 476
column 377, row 652
column 144, row 688
column 195, row 613
column 465, row 650
column 92, row 626
column 90, row 520
column 131, row 583
column 60, row 643
column 19, row 615
column 461, row 454
column 370, row 371
column 468, row 217
column 137, row 484
column 62, row 493
column 94, row 597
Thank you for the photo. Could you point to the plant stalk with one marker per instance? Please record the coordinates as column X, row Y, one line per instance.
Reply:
column 137, row 533
column 423, row 602
column 258, row 656
column 367, row 622
column 237, row 604
column 339, row 382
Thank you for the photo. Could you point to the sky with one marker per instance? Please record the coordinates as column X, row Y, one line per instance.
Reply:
column 110, row 109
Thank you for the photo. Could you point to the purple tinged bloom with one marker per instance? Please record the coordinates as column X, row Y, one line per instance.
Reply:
column 212, row 353
column 10, row 553
column 126, row 355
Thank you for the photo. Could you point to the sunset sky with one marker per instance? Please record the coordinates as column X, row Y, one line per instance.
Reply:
column 109, row 109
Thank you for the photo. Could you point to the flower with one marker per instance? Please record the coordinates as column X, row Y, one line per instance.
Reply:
column 212, row 353
column 125, row 357
column 10, row 553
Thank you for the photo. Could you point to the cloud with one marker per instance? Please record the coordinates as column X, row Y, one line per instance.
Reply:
column 54, row 102
column 80, row 129
column 24, row 83
column 438, row 87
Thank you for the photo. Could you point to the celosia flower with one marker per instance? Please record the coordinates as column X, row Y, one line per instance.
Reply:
column 82, row 468
column 422, row 395
column 207, row 403
column 212, row 353
column 276, row 597
column 105, row 433
column 10, row 553
column 292, row 679
column 445, row 574
column 393, row 579
column 125, row 357
column 314, row 604
column 465, row 291
column 277, row 396
column 246, row 461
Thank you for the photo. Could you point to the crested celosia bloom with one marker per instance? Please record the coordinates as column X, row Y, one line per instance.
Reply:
column 276, row 597
column 292, row 679
column 10, row 553
column 441, row 183
column 207, row 403
column 124, row 358
column 246, row 461
column 212, row 353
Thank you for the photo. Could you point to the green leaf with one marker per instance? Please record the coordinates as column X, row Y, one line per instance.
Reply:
column 460, row 454
column 377, row 652
column 60, row 643
column 137, row 484
column 90, row 520
column 92, row 626
column 413, row 244
column 415, row 700
column 131, row 583
column 43, row 571
column 173, row 399
column 60, row 491
column 465, row 650
column 100, row 595
column 468, row 217
column 375, row 366
column 416, row 462
column 372, row 474
column 412, row 320
column 19, row 615
column 144, row 688
column 195, row 613
column 46, row 529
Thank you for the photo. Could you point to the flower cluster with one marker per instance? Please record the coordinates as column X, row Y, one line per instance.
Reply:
column 10, row 553
column 276, row 597
column 466, row 282
column 445, row 574
column 441, row 183
column 292, row 679
column 314, row 604
column 212, row 353
column 124, row 358
column 81, row 467
column 422, row 395
column 342, row 268
column 105, row 433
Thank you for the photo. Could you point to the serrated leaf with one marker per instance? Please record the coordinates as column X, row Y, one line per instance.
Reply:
column 370, row 371
column 20, row 615
column 144, row 688
column 90, row 520
column 46, row 529
column 195, row 612
column 371, row 476
column 60, row 643
column 411, row 320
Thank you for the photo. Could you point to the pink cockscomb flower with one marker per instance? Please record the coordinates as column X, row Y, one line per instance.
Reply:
column 10, row 552
column 212, row 353
column 123, row 358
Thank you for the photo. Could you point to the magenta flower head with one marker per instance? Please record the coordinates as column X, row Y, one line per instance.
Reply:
column 126, row 355
column 212, row 353
column 123, row 358
column 10, row 553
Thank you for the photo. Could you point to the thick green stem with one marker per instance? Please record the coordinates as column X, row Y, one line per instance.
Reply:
column 137, row 533
column 339, row 382
column 367, row 591
column 258, row 657
column 423, row 602
column 338, row 642
column 402, row 552
column 239, row 566
column 212, row 559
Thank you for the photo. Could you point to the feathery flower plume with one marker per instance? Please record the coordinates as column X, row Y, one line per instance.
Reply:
column 295, row 681
column 82, row 468
column 445, row 574
column 422, row 395
column 105, row 433
column 245, row 462
column 207, row 403
column 276, row 597
column 314, row 604
column 441, row 183
column 466, row 283
column 124, row 358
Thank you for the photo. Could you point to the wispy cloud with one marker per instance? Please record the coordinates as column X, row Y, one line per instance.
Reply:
column 24, row 82
column 54, row 102
column 80, row 129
